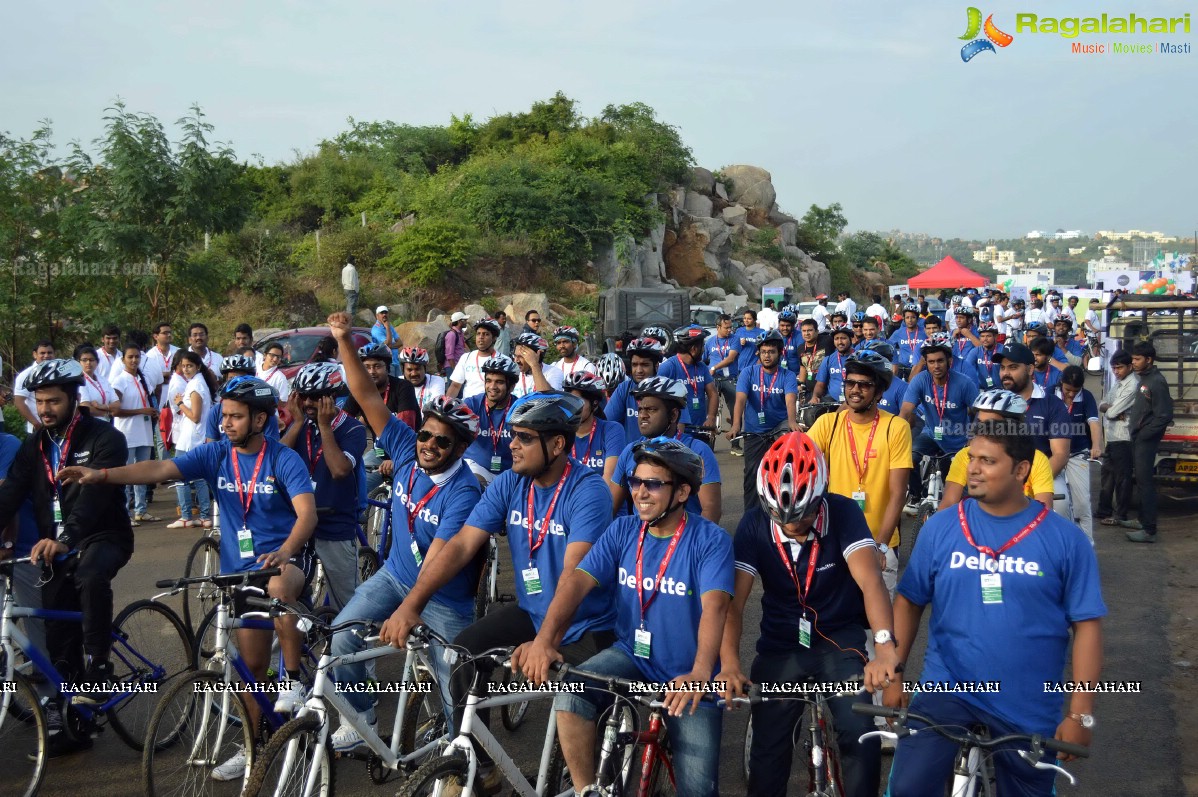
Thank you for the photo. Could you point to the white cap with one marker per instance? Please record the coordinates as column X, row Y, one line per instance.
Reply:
column 459, row 316
column 382, row 308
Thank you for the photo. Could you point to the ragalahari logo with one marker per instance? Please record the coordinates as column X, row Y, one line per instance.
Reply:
column 993, row 36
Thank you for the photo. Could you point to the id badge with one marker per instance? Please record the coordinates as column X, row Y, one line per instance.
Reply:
column 496, row 463
column 57, row 518
column 695, row 403
column 313, row 485
column 761, row 418
column 532, row 580
column 245, row 543
column 859, row 497
column 989, row 381
column 938, row 433
column 805, row 632
column 416, row 554
column 641, row 643
column 991, row 588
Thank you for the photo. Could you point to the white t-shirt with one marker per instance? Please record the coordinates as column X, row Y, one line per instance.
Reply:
column 878, row 312
column 110, row 364
column 468, row 373
column 433, row 387
column 21, row 394
column 212, row 360
column 767, row 319
column 1032, row 315
column 820, row 315
column 278, row 381
column 154, row 363
column 1092, row 319
column 553, row 375
column 349, row 278
column 137, row 429
column 1051, row 314
column 187, row 433
column 580, row 364
column 96, row 389
column 1000, row 318
column 848, row 307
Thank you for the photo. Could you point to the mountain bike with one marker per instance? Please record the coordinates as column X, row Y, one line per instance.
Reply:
column 931, row 473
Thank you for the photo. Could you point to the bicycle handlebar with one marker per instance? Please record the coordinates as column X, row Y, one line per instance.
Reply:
column 1037, row 741
column 221, row 579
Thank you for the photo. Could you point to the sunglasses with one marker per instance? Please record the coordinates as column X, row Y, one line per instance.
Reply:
column 534, row 320
column 443, row 442
column 857, row 384
column 525, row 438
column 652, row 485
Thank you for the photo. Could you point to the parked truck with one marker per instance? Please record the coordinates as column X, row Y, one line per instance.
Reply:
column 624, row 312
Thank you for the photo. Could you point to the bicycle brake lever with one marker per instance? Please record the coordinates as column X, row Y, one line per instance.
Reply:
column 1028, row 757
column 886, row 734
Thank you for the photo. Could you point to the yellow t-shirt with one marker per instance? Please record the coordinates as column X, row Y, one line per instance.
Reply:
column 1038, row 481
column 891, row 449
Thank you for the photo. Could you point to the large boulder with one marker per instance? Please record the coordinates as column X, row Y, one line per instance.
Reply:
column 735, row 215
column 475, row 312
column 517, row 304
column 739, row 274
column 781, row 282
column 697, row 204
column 721, row 191
column 421, row 333
column 685, row 261
column 733, row 304
column 702, row 180
column 752, row 186
column 578, row 289
column 788, row 230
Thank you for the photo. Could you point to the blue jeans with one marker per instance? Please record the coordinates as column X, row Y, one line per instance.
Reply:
column 924, row 761
column 183, row 493
column 771, row 753
column 137, row 454
column 375, row 599
column 694, row 738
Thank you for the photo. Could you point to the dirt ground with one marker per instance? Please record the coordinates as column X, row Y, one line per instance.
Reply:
column 1181, row 594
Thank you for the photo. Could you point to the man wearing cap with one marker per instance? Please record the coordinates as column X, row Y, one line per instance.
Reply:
column 820, row 313
column 466, row 379
column 383, row 332
column 455, row 341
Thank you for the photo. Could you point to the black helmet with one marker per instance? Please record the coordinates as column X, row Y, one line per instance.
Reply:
column 788, row 315
column 566, row 333
column 62, row 373
column 532, row 341
column 676, row 457
column 774, row 337
column 455, row 413
column 590, row 385
column 662, row 387
column 689, row 335
column 503, row 365
column 251, row 391
column 319, row 379
column 882, row 347
column 238, row 363
column 375, row 351
column 657, row 333
column 552, row 412
column 937, row 341
column 872, row 364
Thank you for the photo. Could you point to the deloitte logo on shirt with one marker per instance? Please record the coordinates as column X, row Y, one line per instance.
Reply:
column 669, row 586
column 425, row 514
column 1005, row 564
column 517, row 519
column 229, row 485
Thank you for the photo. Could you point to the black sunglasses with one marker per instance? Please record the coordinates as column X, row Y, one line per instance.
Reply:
column 443, row 442
column 652, row 485
column 525, row 438
column 857, row 384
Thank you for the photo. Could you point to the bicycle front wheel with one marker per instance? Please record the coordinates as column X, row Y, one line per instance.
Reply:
column 436, row 774
column 24, row 737
column 423, row 719
column 195, row 729
column 202, row 560
column 151, row 650
column 290, row 759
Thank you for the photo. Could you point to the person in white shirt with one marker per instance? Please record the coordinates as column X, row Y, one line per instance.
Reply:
column 135, row 418
column 1000, row 316
column 767, row 317
column 269, row 372
column 1053, row 311
column 846, row 305
column 566, row 340
column 1091, row 322
column 95, row 393
column 108, row 353
column 191, row 407
column 1035, row 313
column 159, row 357
column 467, row 377
column 243, row 338
column 197, row 336
column 535, row 375
column 820, row 313
column 23, row 399
column 414, row 361
column 350, row 285
column 877, row 311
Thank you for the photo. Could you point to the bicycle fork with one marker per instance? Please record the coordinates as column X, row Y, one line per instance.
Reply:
column 652, row 740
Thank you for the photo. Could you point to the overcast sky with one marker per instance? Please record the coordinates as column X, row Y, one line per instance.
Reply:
column 865, row 104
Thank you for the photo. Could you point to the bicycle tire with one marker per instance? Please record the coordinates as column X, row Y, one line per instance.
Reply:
column 908, row 537
column 661, row 773
column 832, row 766
column 202, row 560
column 557, row 776
column 318, row 586
column 423, row 720
column 445, row 769
column 368, row 563
column 187, row 721
column 748, row 747
column 483, row 599
column 513, row 714
column 205, row 638
column 24, row 739
column 304, row 732
column 148, row 629
column 376, row 519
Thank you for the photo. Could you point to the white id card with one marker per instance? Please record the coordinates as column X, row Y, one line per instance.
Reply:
column 991, row 588
column 57, row 518
column 641, row 642
column 496, row 464
column 938, row 433
column 805, row 632
column 532, row 581
column 416, row 554
column 245, row 543
column 859, row 497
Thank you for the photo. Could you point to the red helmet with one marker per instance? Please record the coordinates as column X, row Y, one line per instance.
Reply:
column 792, row 478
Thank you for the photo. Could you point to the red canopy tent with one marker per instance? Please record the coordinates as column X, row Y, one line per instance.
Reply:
column 948, row 273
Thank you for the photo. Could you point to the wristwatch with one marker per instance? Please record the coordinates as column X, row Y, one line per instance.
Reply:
column 1085, row 720
column 882, row 637
column 883, row 547
column 7, row 545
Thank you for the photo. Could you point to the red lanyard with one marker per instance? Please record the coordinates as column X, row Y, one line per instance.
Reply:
column 761, row 386
column 661, row 568
column 723, row 350
column 590, row 440
column 145, row 400
column 986, row 357
column 573, row 366
column 812, row 559
column 312, row 458
column 419, row 401
column 62, row 454
column 245, row 498
column 848, row 431
column 937, row 404
column 387, row 393
column 166, row 360
column 689, row 381
column 532, row 487
column 809, row 356
column 986, row 549
column 95, row 383
column 523, row 386
column 962, row 341
column 492, row 432
column 415, row 510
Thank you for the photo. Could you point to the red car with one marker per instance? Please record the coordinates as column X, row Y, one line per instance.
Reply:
column 300, row 344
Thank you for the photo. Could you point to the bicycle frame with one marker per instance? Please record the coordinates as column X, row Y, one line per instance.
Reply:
column 228, row 662
column 651, row 738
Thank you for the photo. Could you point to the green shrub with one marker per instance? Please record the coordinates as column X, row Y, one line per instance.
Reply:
column 14, row 424
column 429, row 251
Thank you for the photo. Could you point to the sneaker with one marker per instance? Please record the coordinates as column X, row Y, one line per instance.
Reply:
column 291, row 698
column 1141, row 536
column 145, row 518
column 911, row 508
column 232, row 769
column 134, row 522
column 347, row 737
column 100, row 681
column 736, row 451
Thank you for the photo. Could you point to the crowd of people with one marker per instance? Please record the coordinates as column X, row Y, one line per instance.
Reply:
column 603, row 477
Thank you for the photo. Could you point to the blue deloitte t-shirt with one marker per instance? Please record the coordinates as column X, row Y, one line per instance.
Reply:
column 626, row 466
column 892, row 399
column 744, row 341
column 621, row 408
column 716, row 350
column 27, row 534
column 213, row 430
column 980, row 366
column 606, row 439
column 582, row 514
column 701, row 563
column 906, row 344
column 831, row 373
column 494, row 436
column 337, row 500
column 696, row 377
column 835, row 600
column 1048, row 581
column 270, row 517
column 1047, row 419
column 440, row 517
column 1083, row 409
column 954, row 401
column 776, row 386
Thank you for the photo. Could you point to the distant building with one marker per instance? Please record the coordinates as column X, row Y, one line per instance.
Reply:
column 1035, row 234
column 1067, row 235
column 1155, row 235
column 995, row 256
column 1106, row 263
column 1076, row 250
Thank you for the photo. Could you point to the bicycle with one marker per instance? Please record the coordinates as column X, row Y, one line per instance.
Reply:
column 299, row 757
column 973, row 768
column 931, row 474
column 209, row 704
column 202, row 560
column 374, row 535
column 1094, row 363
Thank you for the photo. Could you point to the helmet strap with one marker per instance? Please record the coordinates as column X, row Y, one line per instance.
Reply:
column 670, row 508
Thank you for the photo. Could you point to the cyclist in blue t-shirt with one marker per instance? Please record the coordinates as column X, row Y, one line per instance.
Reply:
column 644, row 357
column 662, row 403
column 766, row 395
column 569, row 513
column 980, row 364
column 330, row 442
column 598, row 441
column 744, row 340
column 829, row 380
column 491, row 452
column 668, row 628
column 792, row 340
column 233, row 366
column 687, row 365
column 907, row 339
column 822, row 589
column 1008, row 583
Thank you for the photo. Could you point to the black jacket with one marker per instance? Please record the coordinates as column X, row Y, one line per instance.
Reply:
column 90, row 512
column 1152, row 411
